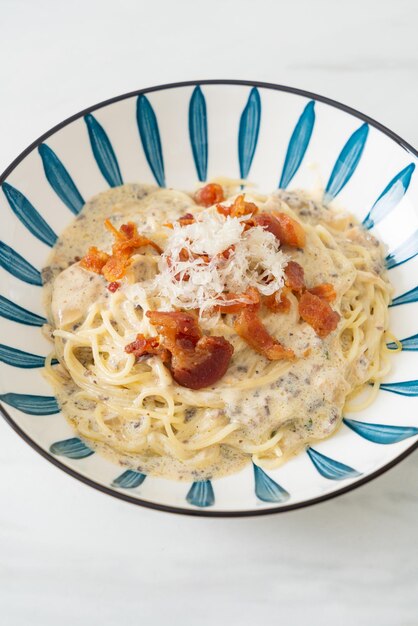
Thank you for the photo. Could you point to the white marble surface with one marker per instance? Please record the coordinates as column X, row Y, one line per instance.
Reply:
column 70, row 555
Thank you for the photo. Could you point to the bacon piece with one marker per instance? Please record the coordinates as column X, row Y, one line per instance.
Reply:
column 196, row 361
column 94, row 260
column 251, row 296
column 227, row 253
column 127, row 241
column 179, row 329
column 186, row 219
column 142, row 346
column 287, row 230
column 238, row 208
column 114, row 286
column 203, row 366
column 318, row 314
column 209, row 194
column 325, row 291
column 249, row 327
column 278, row 302
column 115, row 265
column 294, row 277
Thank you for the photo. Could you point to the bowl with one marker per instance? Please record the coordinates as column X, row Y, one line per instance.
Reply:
column 176, row 135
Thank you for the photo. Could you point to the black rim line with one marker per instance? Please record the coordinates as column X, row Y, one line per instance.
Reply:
column 173, row 509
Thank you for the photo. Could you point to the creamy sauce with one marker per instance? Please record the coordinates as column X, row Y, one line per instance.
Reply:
column 306, row 400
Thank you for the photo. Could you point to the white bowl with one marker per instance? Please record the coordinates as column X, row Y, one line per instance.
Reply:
column 175, row 135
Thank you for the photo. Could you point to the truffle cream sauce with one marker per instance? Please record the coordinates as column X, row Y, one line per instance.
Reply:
column 306, row 400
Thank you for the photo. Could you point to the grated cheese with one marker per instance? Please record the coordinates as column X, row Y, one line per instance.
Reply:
column 198, row 284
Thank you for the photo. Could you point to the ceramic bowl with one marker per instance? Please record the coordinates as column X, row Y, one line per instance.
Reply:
column 176, row 135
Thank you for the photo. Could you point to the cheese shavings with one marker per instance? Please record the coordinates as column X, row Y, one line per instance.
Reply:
column 189, row 281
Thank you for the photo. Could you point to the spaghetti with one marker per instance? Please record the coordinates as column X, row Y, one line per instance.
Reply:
column 132, row 408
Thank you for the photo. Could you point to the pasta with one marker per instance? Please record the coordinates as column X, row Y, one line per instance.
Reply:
column 120, row 390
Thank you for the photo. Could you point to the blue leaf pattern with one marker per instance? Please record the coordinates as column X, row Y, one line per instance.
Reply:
column 298, row 144
column 28, row 215
column 390, row 197
column 406, row 298
column 329, row 468
column 406, row 388
column 103, row 152
column 266, row 489
column 16, row 265
column 346, row 163
column 408, row 344
column 406, row 251
column 32, row 405
column 16, row 313
column 129, row 480
column 381, row 433
column 18, row 358
column 249, row 128
column 201, row 494
column 60, row 180
column 72, row 448
column 150, row 137
column 198, row 131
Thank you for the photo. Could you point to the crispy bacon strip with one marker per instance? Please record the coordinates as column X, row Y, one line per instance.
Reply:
column 238, row 208
column 94, row 260
column 318, row 314
column 249, row 327
column 251, row 297
column 184, row 220
column 114, row 266
column 287, row 230
column 294, row 277
column 209, row 194
column 325, row 291
column 196, row 361
column 142, row 346
column 277, row 302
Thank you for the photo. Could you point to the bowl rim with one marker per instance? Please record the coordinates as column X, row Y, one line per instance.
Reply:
column 168, row 508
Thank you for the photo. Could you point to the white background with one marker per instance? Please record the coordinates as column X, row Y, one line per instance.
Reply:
column 71, row 555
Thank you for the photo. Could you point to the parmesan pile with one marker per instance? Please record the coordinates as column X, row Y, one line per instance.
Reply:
column 255, row 261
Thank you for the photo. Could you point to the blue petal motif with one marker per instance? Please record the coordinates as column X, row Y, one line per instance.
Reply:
column 201, row 494
column 72, row 448
column 60, row 180
column 249, row 128
column 16, row 313
column 15, row 264
column 408, row 344
column 18, row 358
column 406, row 251
column 28, row 215
column 346, row 163
column 150, row 137
column 103, row 152
column 406, row 388
column 129, row 480
column 298, row 144
column 32, row 405
column 381, row 433
column 390, row 197
column 406, row 298
column 198, row 131
column 329, row 468
column 266, row 489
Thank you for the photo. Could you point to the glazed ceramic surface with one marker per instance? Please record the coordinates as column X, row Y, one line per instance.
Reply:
column 177, row 135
